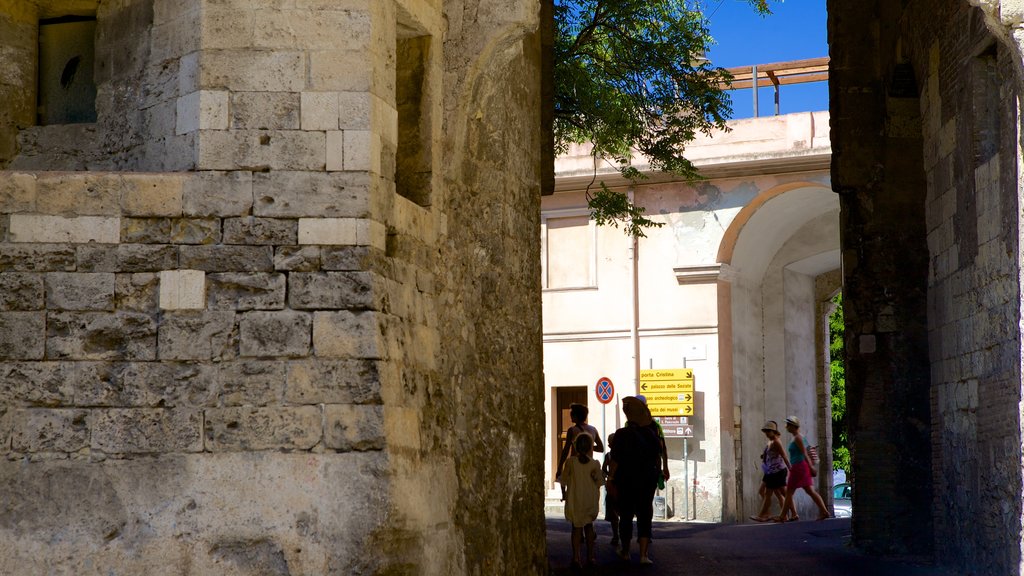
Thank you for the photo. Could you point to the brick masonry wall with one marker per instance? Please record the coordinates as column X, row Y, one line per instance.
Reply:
column 964, row 193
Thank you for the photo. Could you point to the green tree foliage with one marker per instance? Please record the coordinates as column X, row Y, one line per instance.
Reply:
column 630, row 75
column 837, row 377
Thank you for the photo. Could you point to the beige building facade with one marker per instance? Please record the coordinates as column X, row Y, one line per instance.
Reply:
column 734, row 286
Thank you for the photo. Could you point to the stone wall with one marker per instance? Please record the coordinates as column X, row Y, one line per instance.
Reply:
column 925, row 161
column 284, row 361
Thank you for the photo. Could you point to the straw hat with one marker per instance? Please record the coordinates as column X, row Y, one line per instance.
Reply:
column 636, row 411
column 794, row 421
column 770, row 426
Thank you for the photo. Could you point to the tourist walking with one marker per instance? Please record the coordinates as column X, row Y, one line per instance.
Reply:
column 635, row 466
column 578, row 413
column 611, row 493
column 774, row 466
column 582, row 480
column 801, row 475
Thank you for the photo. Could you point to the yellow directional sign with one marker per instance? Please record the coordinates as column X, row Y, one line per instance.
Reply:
column 665, row 386
column 672, row 410
column 674, row 374
column 670, row 398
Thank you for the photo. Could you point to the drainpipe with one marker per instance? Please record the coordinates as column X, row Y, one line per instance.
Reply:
column 634, row 328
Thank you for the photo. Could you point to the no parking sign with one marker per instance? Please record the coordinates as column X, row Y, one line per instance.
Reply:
column 604, row 390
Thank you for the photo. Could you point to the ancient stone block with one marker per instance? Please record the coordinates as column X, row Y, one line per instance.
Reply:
column 22, row 335
column 348, row 427
column 260, row 150
column 266, row 334
column 79, row 291
column 79, row 194
column 318, row 381
column 251, row 230
column 339, row 70
column 354, row 110
column 251, row 383
column 265, row 111
column 335, row 150
column 218, row 194
column 297, row 258
column 252, row 71
column 202, row 110
column 145, row 430
column 48, row 430
column 362, row 151
column 41, row 228
column 36, row 384
column 166, row 384
column 197, row 335
column 314, row 195
column 37, row 257
column 332, row 290
column 352, row 258
column 242, row 291
column 17, row 192
column 152, row 194
column 19, row 291
column 269, row 428
column 328, row 231
column 182, row 289
column 145, row 230
column 313, row 29
column 347, row 335
column 195, row 231
column 100, row 336
column 126, row 258
column 228, row 258
column 319, row 110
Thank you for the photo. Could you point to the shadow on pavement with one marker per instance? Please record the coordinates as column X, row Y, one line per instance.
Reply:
column 805, row 548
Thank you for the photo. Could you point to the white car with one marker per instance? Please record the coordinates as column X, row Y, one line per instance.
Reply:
column 841, row 500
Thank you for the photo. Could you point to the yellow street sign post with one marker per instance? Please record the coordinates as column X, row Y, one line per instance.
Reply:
column 669, row 392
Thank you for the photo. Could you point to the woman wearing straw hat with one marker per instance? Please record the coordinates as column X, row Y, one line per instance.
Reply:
column 774, row 465
column 636, row 463
column 801, row 475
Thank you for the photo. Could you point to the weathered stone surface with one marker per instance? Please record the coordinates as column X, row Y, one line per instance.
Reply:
column 352, row 258
column 197, row 335
column 145, row 230
column 152, row 194
column 221, row 258
column 19, row 291
column 166, row 384
column 100, row 336
column 147, row 430
column 283, row 194
column 72, row 194
column 259, row 231
column 182, row 290
column 271, row 334
column 22, row 335
column 43, row 228
column 126, row 258
column 245, row 291
column 79, row 291
column 17, row 192
column 297, row 258
column 349, row 427
column 218, row 194
column 37, row 257
column 48, row 430
column 317, row 381
column 137, row 292
column 262, row 150
column 332, row 291
column 195, row 231
column 347, row 335
column 36, row 384
column 264, row 111
column 251, row 383
column 270, row 428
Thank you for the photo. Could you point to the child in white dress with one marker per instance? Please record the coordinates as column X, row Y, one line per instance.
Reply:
column 582, row 479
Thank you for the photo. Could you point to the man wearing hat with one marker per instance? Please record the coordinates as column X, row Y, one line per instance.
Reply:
column 635, row 466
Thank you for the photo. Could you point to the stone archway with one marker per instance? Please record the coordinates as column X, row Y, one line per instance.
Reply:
column 775, row 249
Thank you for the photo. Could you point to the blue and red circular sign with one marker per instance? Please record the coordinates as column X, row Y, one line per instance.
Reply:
column 605, row 390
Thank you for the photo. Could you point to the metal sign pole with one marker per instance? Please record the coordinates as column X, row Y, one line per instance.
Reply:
column 686, row 483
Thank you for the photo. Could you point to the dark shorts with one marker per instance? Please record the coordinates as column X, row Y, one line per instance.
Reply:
column 775, row 480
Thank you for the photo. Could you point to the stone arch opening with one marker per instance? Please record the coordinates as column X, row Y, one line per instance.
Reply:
column 782, row 252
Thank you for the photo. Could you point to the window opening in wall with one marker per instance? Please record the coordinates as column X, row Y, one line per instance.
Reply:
column 985, row 100
column 413, row 171
column 570, row 252
column 67, row 90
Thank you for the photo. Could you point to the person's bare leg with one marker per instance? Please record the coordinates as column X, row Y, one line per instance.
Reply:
column 591, row 540
column 819, row 502
column 645, row 544
column 577, row 540
column 780, row 495
column 788, row 507
column 766, row 504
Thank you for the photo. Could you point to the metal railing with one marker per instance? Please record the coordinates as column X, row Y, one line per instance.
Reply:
column 776, row 74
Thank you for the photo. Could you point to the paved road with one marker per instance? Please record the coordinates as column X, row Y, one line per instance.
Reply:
column 805, row 548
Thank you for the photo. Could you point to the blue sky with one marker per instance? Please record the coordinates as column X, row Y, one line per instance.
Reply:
column 795, row 30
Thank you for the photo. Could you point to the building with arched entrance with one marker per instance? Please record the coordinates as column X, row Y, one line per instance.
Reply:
column 733, row 286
